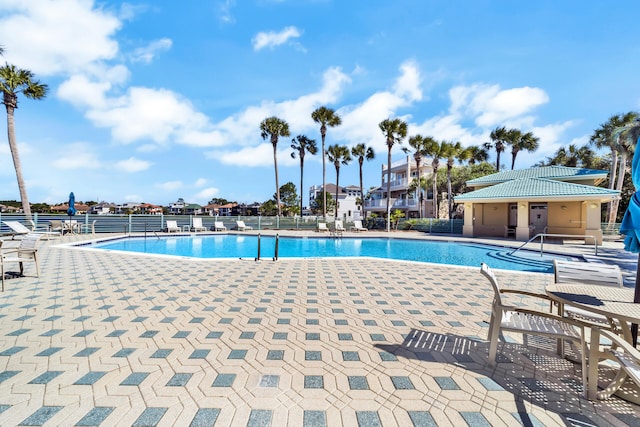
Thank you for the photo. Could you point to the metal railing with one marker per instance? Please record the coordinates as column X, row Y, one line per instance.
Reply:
column 543, row 235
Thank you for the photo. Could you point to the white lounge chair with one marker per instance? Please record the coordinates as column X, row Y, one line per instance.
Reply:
column 322, row 226
column 530, row 322
column 240, row 225
column 172, row 226
column 629, row 359
column 25, row 252
column 88, row 227
column 357, row 226
column 21, row 230
column 196, row 225
column 219, row 226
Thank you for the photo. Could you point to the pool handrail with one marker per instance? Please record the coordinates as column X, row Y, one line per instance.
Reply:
column 543, row 235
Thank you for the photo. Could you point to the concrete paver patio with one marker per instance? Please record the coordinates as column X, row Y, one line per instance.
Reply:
column 113, row 340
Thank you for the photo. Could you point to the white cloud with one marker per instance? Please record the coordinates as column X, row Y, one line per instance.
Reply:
column 133, row 165
column 147, row 53
column 272, row 39
column 76, row 156
column 224, row 8
column 51, row 37
column 200, row 182
column 170, row 185
column 206, row 194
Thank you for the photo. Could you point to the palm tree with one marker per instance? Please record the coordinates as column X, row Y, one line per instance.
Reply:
column 499, row 138
column 419, row 144
column 12, row 82
column 394, row 130
column 326, row 117
column 338, row 154
column 362, row 153
column 272, row 128
column 604, row 137
column 521, row 141
column 477, row 154
column 436, row 150
column 301, row 145
column 452, row 152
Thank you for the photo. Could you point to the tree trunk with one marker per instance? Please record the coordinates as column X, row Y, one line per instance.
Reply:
column 361, row 189
column 612, row 179
column 435, row 192
column 419, row 189
column 337, row 187
column 388, row 188
column 301, row 187
column 275, row 162
column 622, row 168
column 449, row 190
column 13, row 146
column 323, row 134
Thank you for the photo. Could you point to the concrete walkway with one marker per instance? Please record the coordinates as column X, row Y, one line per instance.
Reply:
column 125, row 340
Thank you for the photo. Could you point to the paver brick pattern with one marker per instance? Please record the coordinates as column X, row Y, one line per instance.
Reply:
column 110, row 339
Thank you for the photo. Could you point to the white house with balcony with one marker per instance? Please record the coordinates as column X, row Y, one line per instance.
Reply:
column 347, row 199
column 403, row 172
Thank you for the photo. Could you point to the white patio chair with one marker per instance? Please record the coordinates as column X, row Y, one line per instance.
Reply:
column 532, row 322
column 240, row 225
column 88, row 227
column 629, row 359
column 322, row 227
column 219, row 226
column 357, row 226
column 25, row 252
column 172, row 226
column 196, row 225
column 21, row 230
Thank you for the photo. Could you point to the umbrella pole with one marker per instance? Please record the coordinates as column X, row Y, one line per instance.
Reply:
column 636, row 299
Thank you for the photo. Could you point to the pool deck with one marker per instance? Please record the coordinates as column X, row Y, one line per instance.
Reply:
column 102, row 338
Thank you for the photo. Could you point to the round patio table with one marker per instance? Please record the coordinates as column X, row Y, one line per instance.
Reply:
column 613, row 303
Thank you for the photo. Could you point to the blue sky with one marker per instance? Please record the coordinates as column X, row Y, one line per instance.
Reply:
column 152, row 101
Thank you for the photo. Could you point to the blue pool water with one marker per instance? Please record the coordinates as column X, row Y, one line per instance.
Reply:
column 234, row 246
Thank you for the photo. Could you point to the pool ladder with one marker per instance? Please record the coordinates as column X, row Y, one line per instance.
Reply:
column 275, row 255
column 543, row 235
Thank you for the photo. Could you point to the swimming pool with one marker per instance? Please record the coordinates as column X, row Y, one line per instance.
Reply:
column 246, row 247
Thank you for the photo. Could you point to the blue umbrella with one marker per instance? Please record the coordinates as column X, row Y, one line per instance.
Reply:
column 630, row 227
column 71, row 211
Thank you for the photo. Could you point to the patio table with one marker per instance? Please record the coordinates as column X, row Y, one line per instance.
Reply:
column 614, row 304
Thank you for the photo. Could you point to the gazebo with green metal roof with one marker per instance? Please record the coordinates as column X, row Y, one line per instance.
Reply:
column 522, row 203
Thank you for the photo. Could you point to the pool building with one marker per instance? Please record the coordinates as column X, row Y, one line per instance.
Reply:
column 523, row 203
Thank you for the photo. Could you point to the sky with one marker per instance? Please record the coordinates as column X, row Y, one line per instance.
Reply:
column 157, row 100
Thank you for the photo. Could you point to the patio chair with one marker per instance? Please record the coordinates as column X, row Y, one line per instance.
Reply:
column 172, row 226
column 322, row 227
column 25, row 252
column 629, row 359
column 357, row 226
column 88, row 227
column 56, row 226
column 338, row 225
column 588, row 273
column 219, row 226
column 240, row 225
column 196, row 225
column 530, row 322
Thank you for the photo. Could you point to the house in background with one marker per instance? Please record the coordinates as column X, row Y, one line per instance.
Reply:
column 403, row 173
column 347, row 199
column 149, row 209
column 102, row 208
column 523, row 203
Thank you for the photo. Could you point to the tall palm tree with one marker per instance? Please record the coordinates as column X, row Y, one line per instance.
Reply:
column 419, row 145
column 12, row 82
column 521, row 141
column 477, row 154
column 436, row 150
column 499, row 138
column 326, row 117
column 301, row 145
column 362, row 153
column 273, row 128
column 394, row 130
column 452, row 151
column 338, row 154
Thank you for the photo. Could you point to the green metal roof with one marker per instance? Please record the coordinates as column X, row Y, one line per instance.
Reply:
column 537, row 188
column 551, row 172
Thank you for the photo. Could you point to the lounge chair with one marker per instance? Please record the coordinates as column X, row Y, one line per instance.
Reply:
column 240, row 225
column 25, row 252
column 196, row 225
column 20, row 229
column 219, row 226
column 357, row 226
column 322, row 226
column 530, row 322
column 629, row 359
column 172, row 226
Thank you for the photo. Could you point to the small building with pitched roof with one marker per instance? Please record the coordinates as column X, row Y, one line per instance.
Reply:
column 523, row 203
